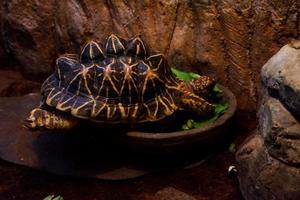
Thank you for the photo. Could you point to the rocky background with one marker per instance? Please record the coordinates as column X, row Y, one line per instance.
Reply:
column 269, row 161
column 228, row 39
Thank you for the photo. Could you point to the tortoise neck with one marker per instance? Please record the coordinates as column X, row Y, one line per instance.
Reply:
column 186, row 87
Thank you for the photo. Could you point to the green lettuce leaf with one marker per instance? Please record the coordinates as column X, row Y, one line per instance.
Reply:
column 217, row 90
column 219, row 110
column 185, row 76
column 232, row 148
column 52, row 197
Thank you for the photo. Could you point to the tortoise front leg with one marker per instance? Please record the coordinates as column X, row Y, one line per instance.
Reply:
column 196, row 104
column 192, row 93
column 43, row 119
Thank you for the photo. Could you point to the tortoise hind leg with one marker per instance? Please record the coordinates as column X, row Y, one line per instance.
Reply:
column 43, row 119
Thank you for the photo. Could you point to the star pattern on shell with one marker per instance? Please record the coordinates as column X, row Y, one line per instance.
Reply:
column 112, row 82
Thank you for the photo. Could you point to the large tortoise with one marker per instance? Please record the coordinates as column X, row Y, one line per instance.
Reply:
column 121, row 84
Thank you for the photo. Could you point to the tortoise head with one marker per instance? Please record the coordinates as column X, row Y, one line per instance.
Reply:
column 202, row 85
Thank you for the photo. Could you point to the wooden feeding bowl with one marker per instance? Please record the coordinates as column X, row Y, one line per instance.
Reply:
column 185, row 140
column 102, row 154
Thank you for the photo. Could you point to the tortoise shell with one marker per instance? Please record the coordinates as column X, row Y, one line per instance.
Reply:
column 120, row 84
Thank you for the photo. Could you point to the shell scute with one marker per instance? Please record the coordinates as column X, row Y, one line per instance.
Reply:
column 115, row 45
column 117, row 84
column 136, row 47
column 91, row 54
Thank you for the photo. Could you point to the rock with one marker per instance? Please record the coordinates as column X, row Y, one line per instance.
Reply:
column 213, row 37
column 2, row 55
column 2, row 52
column 269, row 162
column 262, row 177
column 280, row 130
column 13, row 84
column 28, row 32
column 282, row 74
column 170, row 193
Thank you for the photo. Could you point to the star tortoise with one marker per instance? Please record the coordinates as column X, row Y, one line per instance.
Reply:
column 116, row 83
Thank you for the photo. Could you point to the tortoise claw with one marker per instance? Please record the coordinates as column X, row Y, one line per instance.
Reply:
column 28, row 124
column 34, row 121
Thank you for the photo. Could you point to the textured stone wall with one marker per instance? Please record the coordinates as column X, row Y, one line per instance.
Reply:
column 227, row 39
column 269, row 160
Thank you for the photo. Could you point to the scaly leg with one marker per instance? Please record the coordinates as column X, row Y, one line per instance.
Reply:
column 43, row 119
column 196, row 104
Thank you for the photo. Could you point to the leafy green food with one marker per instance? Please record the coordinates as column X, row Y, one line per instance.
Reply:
column 185, row 76
column 185, row 127
column 219, row 110
column 232, row 148
column 52, row 197
column 217, row 90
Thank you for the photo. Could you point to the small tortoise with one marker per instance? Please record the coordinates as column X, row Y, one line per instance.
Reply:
column 122, row 84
